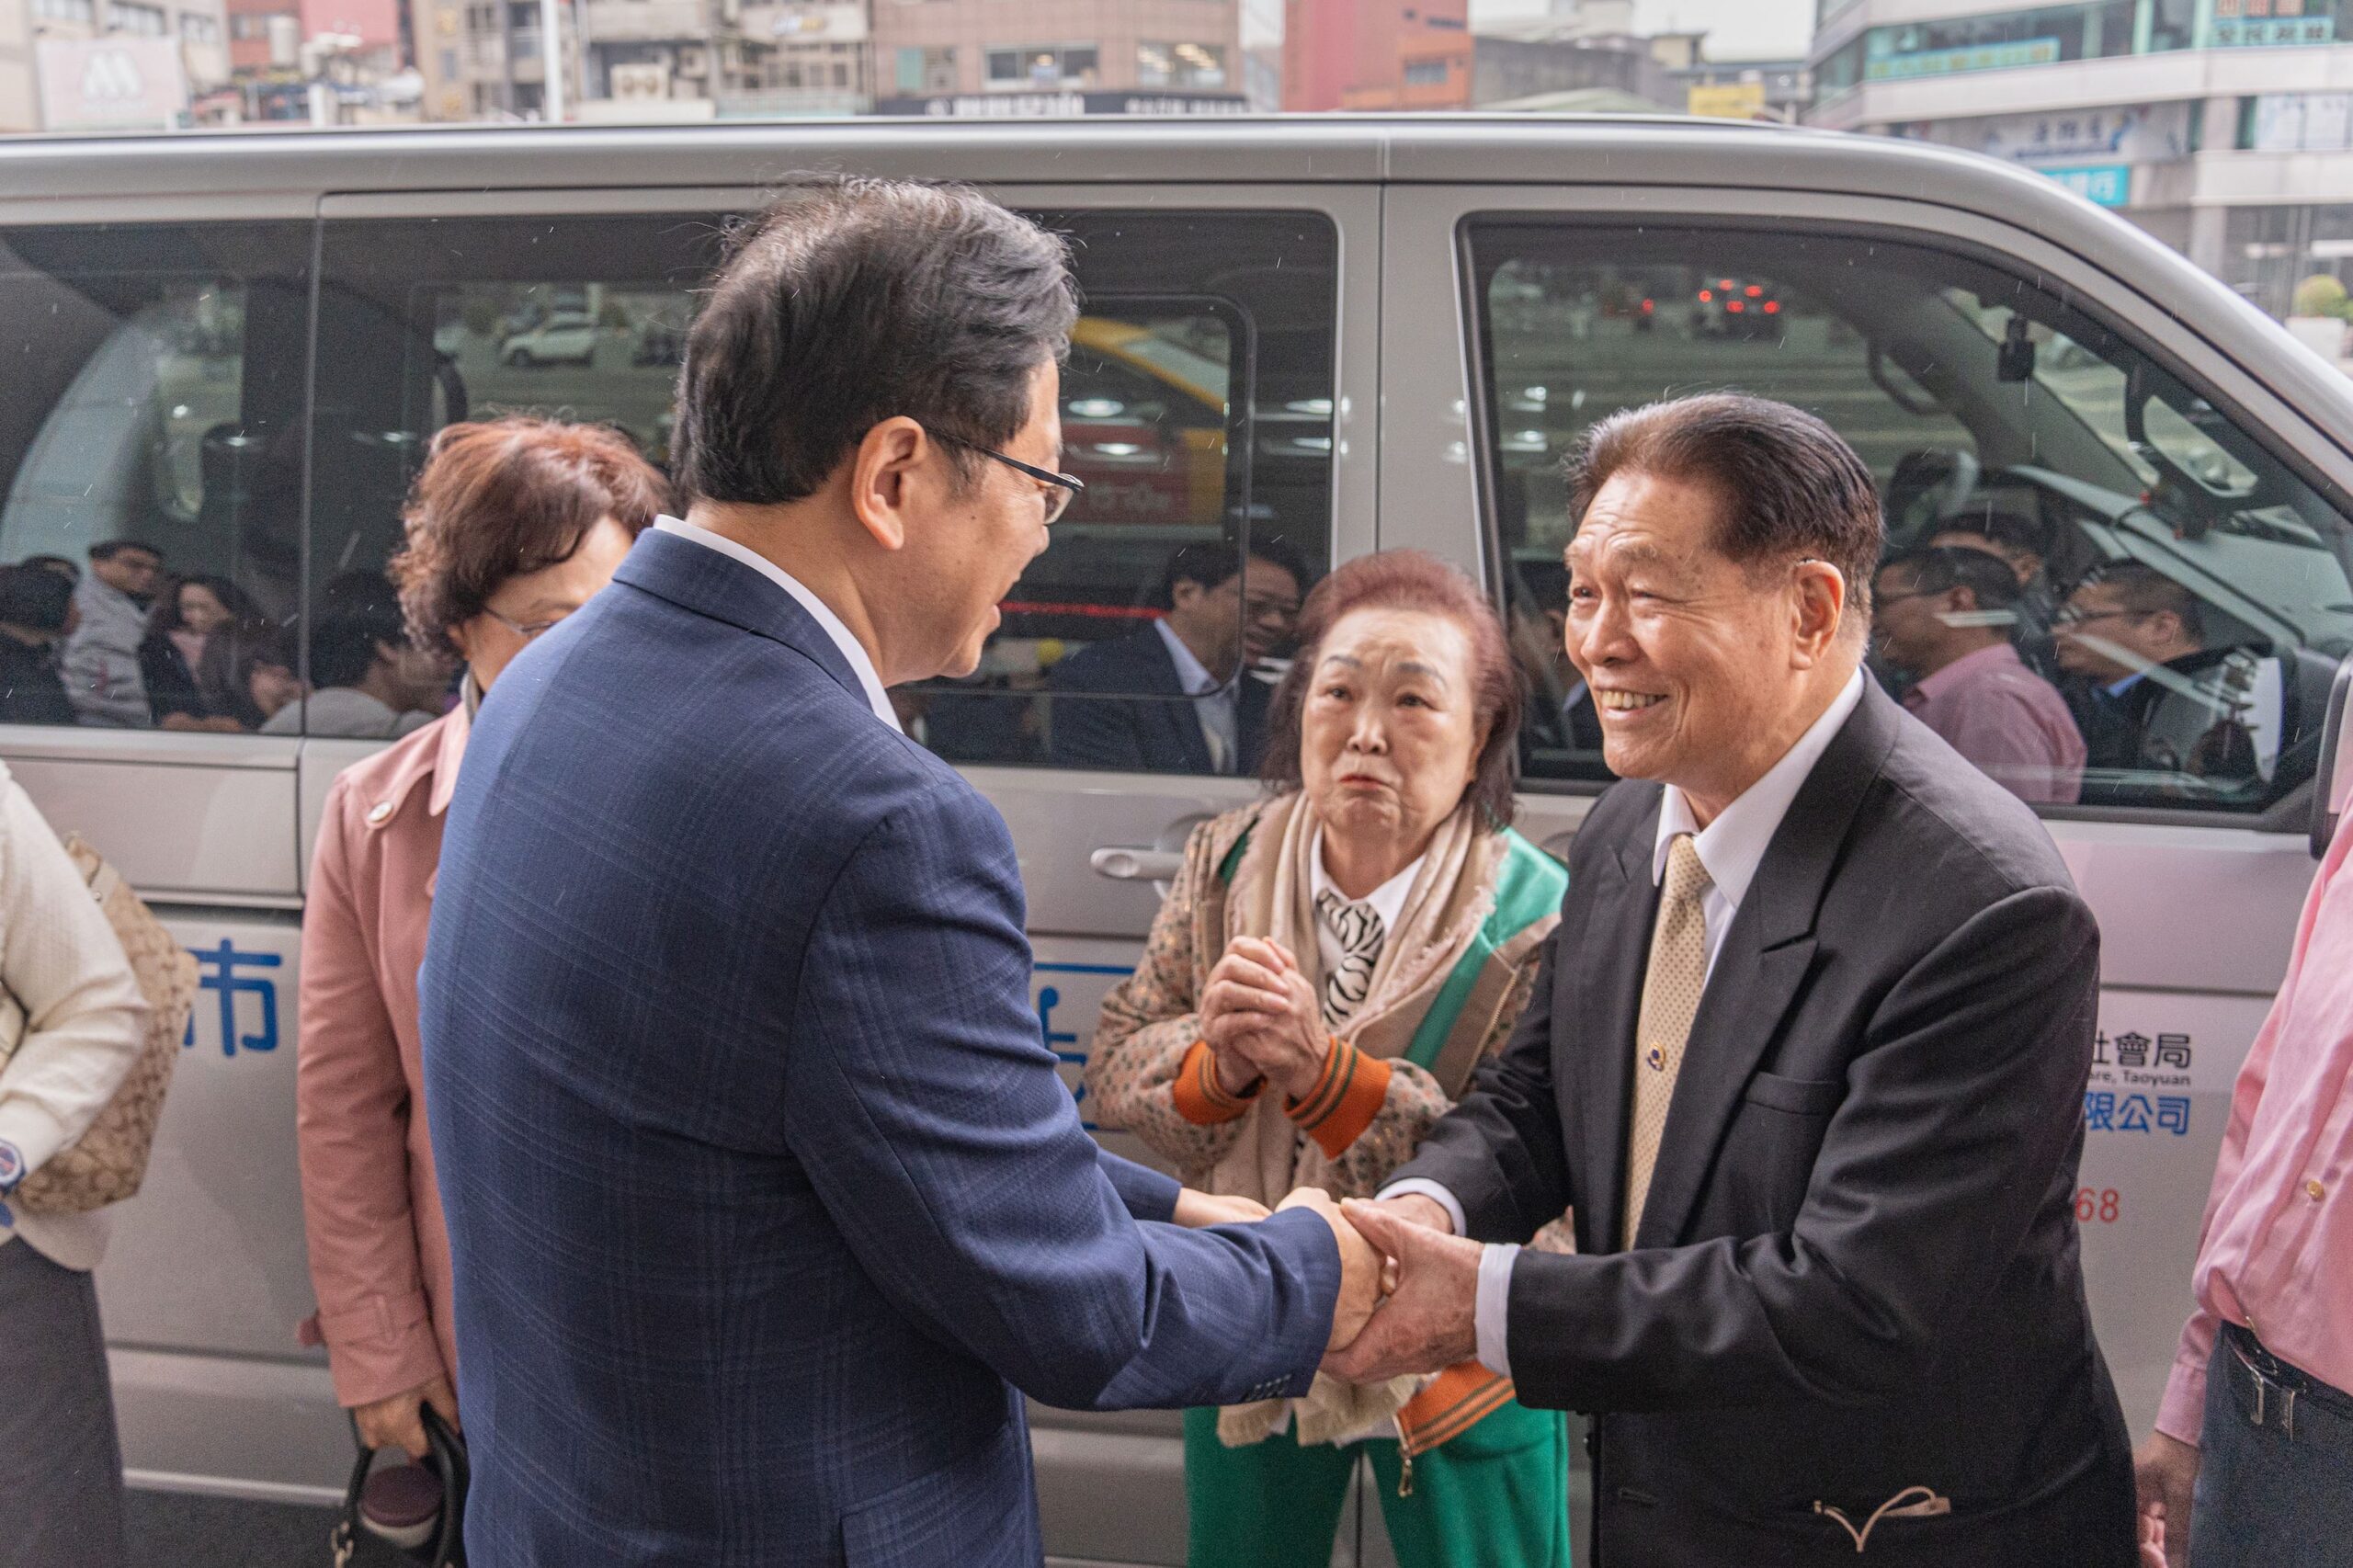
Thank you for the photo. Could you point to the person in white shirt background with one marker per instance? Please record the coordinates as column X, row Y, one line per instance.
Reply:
column 61, row 1466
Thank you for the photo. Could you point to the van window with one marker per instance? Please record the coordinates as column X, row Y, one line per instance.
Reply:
column 1196, row 406
column 151, row 442
column 2181, row 590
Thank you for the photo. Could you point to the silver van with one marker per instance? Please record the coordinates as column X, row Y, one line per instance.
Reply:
column 1344, row 335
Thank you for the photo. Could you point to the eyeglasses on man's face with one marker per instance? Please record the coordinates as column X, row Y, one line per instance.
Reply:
column 2079, row 615
column 1056, row 490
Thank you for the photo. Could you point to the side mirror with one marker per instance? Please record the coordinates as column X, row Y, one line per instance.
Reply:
column 2333, row 784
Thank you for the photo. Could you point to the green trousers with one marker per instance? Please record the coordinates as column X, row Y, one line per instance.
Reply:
column 1497, row 1497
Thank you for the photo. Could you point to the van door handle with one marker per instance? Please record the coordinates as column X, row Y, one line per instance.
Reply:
column 1133, row 863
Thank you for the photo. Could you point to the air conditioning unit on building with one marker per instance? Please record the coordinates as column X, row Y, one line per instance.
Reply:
column 694, row 60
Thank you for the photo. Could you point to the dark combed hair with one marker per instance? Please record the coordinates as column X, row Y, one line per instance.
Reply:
column 1413, row 580
column 34, row 597
column 1787, row 486
column 2143, row 589
column 1214, row 565
column 358, row 613
column 165, row 617
column 2011, row 530
column 1939, row 569
column 851, row 301
column 107, row 549
column 507, row 496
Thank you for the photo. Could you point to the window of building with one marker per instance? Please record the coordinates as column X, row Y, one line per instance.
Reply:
column 448, row 63
column 1045, row 65
column 1426, row 73
column 1201, row 66
column 155, row 397
column 242, row 24
column 82, row 11
column 198, row 28
column 1999, row 42
column 1972, row 394
column 923, row 72
column 140, row 21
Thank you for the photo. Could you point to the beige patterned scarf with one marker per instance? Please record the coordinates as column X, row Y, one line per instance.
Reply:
column 1273, row 896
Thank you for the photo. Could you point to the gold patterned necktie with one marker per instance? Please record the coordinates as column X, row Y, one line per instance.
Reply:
column 1671, row 988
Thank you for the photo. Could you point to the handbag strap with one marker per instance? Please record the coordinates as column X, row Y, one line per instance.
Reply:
column 446, row 1452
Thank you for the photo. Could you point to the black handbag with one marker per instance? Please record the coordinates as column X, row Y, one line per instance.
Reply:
column 445, row 1458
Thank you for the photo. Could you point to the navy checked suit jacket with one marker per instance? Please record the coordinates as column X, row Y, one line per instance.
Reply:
column 761, row 1185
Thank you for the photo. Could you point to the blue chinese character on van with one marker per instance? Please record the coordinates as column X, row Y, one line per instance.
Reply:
column 218, row 968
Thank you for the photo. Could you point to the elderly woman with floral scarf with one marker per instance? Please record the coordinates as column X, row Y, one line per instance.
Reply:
column 1328, row 970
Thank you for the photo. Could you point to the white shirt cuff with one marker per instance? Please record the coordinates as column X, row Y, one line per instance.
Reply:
column 1490, row 1313
column 1432, row 1190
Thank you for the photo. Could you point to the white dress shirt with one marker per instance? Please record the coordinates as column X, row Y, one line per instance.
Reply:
column 1215, row 703
column 1730, row 849
column 862, row 666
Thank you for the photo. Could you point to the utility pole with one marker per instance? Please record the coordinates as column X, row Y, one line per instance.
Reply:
column 550, row 61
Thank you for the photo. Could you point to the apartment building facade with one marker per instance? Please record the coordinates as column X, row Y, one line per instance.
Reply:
column 2222, row 127
column 1377, row 54
column 1015, row 58
column 111, row 64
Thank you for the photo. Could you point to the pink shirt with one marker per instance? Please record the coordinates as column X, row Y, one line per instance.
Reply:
column 379, row 1252
column 2009, row 720
column 2276, row 1254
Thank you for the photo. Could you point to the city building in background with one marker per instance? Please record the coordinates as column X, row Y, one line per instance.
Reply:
column 1012, row 59
column 2221, row 127
column 112, row 64
column 1376, row 55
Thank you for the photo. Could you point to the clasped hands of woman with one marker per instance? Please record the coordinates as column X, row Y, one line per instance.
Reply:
column 1261, row 1020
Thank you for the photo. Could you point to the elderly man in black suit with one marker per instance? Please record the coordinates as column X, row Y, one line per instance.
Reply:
column 1807, row 1061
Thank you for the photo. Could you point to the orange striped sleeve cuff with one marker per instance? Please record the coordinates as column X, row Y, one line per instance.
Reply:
column 1200, row 1098
column 1456, row 1400
column 1343, row 1101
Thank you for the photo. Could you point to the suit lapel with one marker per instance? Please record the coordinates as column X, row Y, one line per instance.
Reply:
column 1179, row 723
column 1766, row 955
column 1605, row 996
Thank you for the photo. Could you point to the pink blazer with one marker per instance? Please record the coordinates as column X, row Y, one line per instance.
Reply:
column 380, row 1252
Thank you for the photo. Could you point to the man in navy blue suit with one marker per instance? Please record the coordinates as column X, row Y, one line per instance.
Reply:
column 1183, row 695
column 766, row 1200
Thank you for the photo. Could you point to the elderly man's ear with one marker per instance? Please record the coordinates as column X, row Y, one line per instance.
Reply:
column 1818, row 603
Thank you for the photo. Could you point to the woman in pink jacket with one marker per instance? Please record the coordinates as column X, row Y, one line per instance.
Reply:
column 512, row 526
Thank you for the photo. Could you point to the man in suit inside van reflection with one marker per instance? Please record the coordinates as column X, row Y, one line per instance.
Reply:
column 766, row 1202
column 1182, row 696
column 1806, row 1058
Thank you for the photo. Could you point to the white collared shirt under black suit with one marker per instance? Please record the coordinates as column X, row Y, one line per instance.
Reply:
column 1857, row 1271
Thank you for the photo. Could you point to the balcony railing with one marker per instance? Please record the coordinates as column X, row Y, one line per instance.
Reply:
column 616, row 20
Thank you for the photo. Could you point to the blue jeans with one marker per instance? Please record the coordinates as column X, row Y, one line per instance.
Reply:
column 2275, row 1477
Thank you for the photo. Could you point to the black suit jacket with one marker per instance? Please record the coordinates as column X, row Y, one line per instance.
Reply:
column 1857, row 1270
column 1134, row 715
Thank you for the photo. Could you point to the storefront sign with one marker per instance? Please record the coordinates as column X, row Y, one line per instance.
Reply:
column 1052, row 105
column 2272, row 32
column 1951, row 62
column 112, row 83
column 2103, row 185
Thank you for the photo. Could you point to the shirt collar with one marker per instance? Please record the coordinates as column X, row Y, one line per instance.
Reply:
column 1388, row 900
column 1192, row 674
column 1731, row 847
column 1971, row 663
column 851, row 650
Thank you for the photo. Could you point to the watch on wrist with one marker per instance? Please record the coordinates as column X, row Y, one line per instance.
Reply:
column 12, row 1167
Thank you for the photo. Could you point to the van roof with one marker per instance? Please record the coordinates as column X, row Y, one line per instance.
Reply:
column 287, row 173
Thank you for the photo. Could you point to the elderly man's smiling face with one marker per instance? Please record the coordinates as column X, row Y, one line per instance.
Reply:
column 1697, row 663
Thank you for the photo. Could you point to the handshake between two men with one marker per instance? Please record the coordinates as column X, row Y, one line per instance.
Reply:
column 1408, row 1284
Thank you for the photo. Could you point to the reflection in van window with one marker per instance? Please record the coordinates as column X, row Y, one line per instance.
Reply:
column 1196, row 405
column 150, row 441
column 2182, row 589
